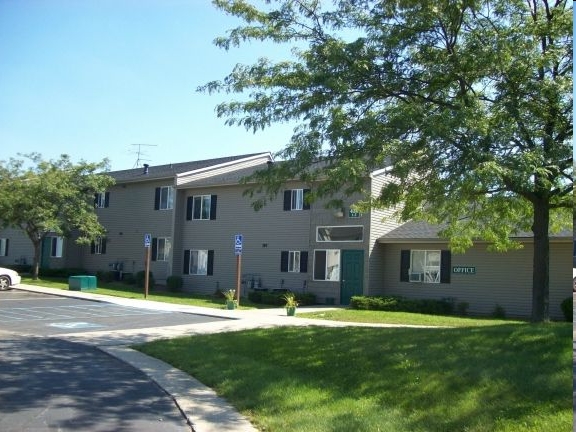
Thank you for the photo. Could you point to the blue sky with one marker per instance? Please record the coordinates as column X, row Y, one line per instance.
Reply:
column 90, row 78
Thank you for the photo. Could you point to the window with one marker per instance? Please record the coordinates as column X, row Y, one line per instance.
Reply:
column 4, row 246
column 161, row 248
column 425, row 266
column 201, row 207
column 295, row 199
column 199, row 262
column 294, row 261
column 98, row 246
column 56, row 244
column 164, row 198
column 339, row 233
column 327, row 265
column 102, row 200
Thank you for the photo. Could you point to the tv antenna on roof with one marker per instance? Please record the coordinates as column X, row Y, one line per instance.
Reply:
column 140, row 153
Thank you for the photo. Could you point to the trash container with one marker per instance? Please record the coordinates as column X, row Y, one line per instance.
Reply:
column 82, row 283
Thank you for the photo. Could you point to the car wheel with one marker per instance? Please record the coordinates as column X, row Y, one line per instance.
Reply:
column 4, row 283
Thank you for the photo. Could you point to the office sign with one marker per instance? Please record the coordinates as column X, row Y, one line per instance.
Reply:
column 463, row 270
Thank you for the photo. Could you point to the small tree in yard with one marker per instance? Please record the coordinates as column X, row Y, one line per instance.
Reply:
column 51, row 197
column 469, row 101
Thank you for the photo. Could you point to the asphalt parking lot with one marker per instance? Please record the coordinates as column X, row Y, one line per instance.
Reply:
column 29, row 313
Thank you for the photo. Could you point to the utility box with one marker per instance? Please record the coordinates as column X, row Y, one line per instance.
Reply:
column 81, row 283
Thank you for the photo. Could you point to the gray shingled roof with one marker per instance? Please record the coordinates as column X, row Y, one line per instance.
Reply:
column 170, row 170
column 422, row 231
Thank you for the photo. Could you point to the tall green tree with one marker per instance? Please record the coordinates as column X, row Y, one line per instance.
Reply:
column 54, row 197
column 470, row 101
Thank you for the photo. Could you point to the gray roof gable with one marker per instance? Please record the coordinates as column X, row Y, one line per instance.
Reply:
column 413, row 231
column 170, row 170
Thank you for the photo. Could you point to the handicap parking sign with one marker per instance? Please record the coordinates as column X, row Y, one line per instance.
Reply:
column 147, row 240
column 238, row 244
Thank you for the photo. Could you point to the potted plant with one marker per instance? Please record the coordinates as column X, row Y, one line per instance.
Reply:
column 291, row 303
column 231, row 303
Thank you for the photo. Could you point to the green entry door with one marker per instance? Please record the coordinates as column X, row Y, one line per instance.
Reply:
column 45, row 253
column 352, row 277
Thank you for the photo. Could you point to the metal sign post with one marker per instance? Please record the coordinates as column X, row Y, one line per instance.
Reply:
column 238, row 252
column 147, row 243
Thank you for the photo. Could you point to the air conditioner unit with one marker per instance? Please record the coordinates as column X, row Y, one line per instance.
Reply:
column 416, row 277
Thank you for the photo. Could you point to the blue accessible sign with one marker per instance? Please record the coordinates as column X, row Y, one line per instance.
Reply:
column 238, row 244
column 147, row 240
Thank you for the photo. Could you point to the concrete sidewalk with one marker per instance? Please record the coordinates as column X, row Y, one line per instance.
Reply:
column 204, row 410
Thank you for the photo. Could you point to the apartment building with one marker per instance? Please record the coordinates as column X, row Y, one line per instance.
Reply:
column 194, row 210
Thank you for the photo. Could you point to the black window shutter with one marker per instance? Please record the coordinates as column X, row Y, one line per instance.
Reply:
column 6, row 248
column 157, row 199
column 54, row 244
column 320, row 265
column 103, row 251
column 189, row 203
column 96, row 200
column 303, row 262
column 445, row 266
column 213, row 200
column 210, row 271
column 92, row 248
column 154, row 249
column 404, row 265
column 287, row 200
column 186, row 262
column 106, row 199
column 306, row 205
column 284, row 261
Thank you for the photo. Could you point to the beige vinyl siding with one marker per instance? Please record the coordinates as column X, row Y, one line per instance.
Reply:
column 20, row 248
column 322, row 216
column 382, row 221
column 266, row 233
column 128, row 218
column 503, row 279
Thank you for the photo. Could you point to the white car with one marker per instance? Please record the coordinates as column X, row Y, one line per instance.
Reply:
column 8, row 278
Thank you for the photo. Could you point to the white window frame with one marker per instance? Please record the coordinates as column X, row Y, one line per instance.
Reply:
column 319, row 240
column 100, row 200
column 424, row 269
column 297, row 199
column 205, row 206
column 332, row 273
column 166, row 198
column 201, row 268
column 98, row 246
column 59, row 246
column 166, row 248
column 293, row 261
column 3, row 247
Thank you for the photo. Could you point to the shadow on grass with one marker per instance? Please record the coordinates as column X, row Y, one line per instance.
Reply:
column 397, row 379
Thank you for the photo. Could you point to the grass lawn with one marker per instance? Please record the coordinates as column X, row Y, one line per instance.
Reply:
column 119, row 289
column 509, row 377
column 406, row 318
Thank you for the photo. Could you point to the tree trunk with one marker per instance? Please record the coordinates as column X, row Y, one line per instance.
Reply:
column 541, row 262
column 36, row 262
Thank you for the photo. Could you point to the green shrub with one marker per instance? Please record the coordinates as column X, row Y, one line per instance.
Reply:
column 174, row 283
column 462, row 308
column 499, row 312
column 128, row 278
column 305, row 299
column 141, row 278
column 567, row 309
column 401, row 304
column 255, row 296
column 62, row 272
column 105, row 276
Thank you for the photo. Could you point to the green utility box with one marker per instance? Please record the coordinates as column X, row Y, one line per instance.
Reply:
column 81, row 283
